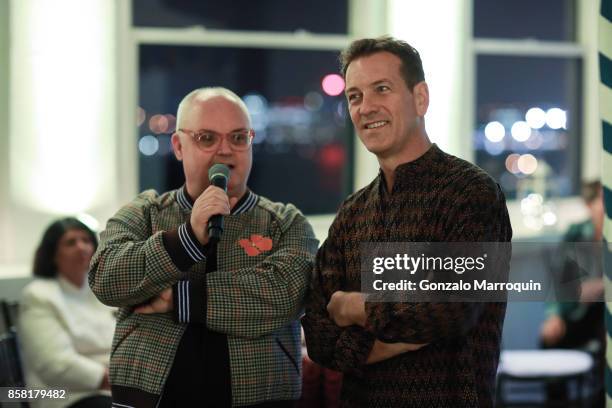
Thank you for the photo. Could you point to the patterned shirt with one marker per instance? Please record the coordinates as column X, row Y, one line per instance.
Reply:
column 264, row 261
column 436, row 198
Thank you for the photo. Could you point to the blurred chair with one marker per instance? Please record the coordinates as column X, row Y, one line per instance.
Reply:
column 11, row 371
column 9, row 311
column 320, row 386
column 566, row 367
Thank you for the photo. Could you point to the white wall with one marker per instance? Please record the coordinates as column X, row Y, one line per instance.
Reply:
column 4, row 106
column 59, row 156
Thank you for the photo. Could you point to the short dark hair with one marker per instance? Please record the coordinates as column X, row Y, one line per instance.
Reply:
column 44, row 262
column 411, row 68
column 591, row 190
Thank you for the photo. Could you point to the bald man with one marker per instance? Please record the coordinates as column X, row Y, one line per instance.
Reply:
column 206, row 323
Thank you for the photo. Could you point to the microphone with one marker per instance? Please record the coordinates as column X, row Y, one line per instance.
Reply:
column 218, row 175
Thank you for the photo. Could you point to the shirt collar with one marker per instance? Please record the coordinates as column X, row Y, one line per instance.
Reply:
column 410, row 172
column 246, row 202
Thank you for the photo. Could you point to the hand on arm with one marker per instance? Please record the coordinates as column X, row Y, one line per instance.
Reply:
column 131, row 264
column 344, row 349
column 162, row 303
column 383, row 351
column 478, row 214
column 348, row 308
column 213, row 201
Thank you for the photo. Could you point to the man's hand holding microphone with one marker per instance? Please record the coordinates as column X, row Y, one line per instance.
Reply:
column 210, row 207
column 207, row 225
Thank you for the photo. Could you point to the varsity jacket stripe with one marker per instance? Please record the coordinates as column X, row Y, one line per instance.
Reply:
column 194, row 291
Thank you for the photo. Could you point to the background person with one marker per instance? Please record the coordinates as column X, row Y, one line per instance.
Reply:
column 580, row 324
column 65, row 332
column 575, row 324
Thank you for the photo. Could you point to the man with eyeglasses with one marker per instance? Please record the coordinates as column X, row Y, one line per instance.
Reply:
column 206, row 323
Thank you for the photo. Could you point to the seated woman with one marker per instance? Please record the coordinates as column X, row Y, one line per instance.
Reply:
column 65, row 332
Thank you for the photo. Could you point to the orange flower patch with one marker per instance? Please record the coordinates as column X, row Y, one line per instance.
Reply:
column 255, row 245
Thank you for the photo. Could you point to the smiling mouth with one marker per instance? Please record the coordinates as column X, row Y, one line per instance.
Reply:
column 375, row 125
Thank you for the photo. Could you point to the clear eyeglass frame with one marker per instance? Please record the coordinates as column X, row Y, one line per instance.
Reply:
column 209, row 141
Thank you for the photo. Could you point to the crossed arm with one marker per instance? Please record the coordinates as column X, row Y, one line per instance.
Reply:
column 247, row 302
column 344, row 332
column 334, row 324
column 348, row 308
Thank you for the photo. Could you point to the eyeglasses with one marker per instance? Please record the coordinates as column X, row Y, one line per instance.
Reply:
column 209, row 141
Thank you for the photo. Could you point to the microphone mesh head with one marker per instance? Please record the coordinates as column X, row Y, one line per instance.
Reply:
column 218, row 170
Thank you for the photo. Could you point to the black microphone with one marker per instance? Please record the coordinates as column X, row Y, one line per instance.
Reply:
column 218, row 175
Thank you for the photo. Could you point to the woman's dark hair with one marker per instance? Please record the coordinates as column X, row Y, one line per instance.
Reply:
column 44, row 259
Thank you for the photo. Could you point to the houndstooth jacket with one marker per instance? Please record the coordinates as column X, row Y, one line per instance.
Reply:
column 255, row 296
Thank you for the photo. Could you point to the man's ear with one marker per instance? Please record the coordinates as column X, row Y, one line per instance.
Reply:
column 177, row 147
column 420, row 93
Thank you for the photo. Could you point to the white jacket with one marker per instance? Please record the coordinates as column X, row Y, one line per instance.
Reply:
column 65, row 335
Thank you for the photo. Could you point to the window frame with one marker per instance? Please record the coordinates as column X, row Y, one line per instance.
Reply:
column 570, row 209
column 131, row 37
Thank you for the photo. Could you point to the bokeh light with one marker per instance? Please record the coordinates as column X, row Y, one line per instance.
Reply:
column 536, row 118
column 536, row 198
column 549, row 218
column 141, row 115
column 148, row 145
column 512, row 163
column 333, row 84
column 495, row 131
column 158, row 124
column 556, row 118
column 532, row 222
column 527, row 163
column 171, row 123
column 313, row 101
column 332, row 156
column 256, row 103
column 520, row 131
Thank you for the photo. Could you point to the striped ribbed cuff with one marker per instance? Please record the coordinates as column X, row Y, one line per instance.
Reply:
column 189, row 299
column 183, row 247
column 191, row 243
column 182, row 308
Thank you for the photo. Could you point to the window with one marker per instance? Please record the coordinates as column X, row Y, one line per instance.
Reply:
column 528, row 123
column 317, row 16
column 528, row 118
column 551, row 20
column 302, row 151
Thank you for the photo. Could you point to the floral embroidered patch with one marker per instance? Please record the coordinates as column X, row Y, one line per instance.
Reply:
column 255, row 245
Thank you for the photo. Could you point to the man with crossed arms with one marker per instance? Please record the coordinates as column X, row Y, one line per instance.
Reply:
column 204, row 323
column 419, row 354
